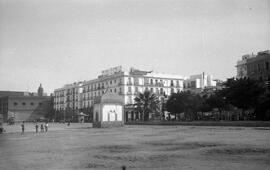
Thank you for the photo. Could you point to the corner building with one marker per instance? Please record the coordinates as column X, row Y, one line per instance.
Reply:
column 126, row 83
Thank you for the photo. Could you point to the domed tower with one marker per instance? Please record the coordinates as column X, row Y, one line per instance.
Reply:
column 40, row 90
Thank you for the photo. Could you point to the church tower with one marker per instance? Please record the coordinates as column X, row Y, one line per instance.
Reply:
column 40, row 90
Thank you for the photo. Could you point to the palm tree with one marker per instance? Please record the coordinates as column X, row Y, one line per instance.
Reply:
column 146, row 103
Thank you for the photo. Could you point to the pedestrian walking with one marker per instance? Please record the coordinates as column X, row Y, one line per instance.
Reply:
column 46, row 127
column 41, row 128
column 22, row 128
column 36, row 128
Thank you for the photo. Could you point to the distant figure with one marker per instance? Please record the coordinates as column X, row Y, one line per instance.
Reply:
column 123, row 167
column 36, row 128
column 46, row 127
column 68, row 123
column 41, row 128
column 22, row 128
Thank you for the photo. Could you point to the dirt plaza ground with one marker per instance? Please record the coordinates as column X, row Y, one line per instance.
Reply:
column 136, row 146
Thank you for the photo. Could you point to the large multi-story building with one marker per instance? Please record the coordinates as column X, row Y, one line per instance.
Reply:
column 73, row 98
column 126, row 83
column 255, row 67
column 258, row 68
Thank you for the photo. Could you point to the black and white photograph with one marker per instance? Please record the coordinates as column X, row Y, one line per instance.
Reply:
column 134, row 84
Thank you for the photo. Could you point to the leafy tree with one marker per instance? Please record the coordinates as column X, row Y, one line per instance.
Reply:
column 185, row 102
column 217, row 100
column 175, row 104
column 242, row 93
column 146, row 103
column 263, row 107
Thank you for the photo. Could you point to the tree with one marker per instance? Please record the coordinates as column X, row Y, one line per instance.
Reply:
column 217, row 100
column 186, row 102
column 263, row 107
column 242, row 93
column 146, row 103
column 175, row 104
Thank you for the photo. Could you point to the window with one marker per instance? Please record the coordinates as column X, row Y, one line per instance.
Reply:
column 136, row 89
column 151, row 89
column 171, row 82
column 40, row 104
column 267, row 65
column 114, row 90
column 15, row 103
column 151, row 81
column 129, row 89
column 129, row 80
column 129, row 100
column 110, row 82
column 114, row 81
column 32, row 103
column 23, row 104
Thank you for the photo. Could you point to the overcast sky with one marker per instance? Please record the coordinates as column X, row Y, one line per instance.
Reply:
column 62, row 41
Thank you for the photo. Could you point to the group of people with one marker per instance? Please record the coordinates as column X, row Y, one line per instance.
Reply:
column 46, row 126
column 42, row 127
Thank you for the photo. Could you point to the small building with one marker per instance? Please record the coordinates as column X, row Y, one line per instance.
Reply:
column 108, row 111
column 81, row 117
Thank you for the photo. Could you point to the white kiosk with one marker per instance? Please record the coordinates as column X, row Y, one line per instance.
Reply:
column 108, row 111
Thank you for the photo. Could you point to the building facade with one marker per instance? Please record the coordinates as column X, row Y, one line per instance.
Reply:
column 241, row 66
column 24, row 106
column 126, row 83
column 256, row 67
column 198, row 83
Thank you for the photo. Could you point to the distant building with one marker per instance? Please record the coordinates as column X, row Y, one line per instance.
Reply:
column 256, row 67
column 24, row 106
column 197, row 83
column 40, row 90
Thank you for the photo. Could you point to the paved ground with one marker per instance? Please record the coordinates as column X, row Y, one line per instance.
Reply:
column 137, row 147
